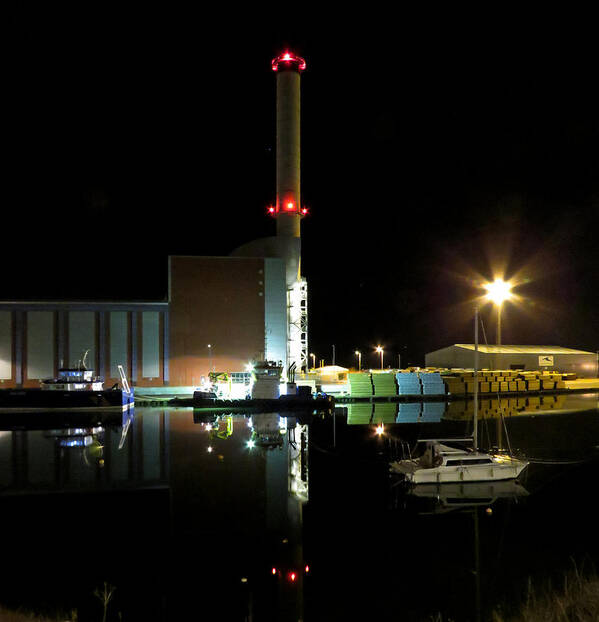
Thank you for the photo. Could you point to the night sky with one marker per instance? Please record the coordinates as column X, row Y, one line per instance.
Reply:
column 434, row 156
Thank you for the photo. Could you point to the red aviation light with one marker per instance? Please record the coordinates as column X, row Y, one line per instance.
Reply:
column 274, row 570
column 288, row 60
column 307, row 569
column 304, row 211
column 271, row 210
column 290, row 206
column 292, row 576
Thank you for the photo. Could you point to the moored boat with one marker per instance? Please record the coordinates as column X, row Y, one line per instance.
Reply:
column 73, row 390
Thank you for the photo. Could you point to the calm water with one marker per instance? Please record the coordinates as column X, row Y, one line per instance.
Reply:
column 187, row 522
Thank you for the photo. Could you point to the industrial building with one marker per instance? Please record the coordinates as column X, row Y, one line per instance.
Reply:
column 549, row 358
column 221, row 313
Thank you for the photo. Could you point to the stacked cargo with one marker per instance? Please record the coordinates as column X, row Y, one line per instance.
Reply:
column 408, row 383
column 455, row 385
column 432, row 384
column 384, row 385
column 360, row 384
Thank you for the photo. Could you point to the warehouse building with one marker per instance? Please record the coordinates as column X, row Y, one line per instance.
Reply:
column 549, row 358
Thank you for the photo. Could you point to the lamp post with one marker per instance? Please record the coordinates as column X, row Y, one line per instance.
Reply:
column 380, row 350
column 313, row 357
column 498, row 292
column 210, row 358
column 359, row 355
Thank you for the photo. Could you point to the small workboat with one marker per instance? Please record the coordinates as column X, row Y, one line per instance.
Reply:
column 74, row 390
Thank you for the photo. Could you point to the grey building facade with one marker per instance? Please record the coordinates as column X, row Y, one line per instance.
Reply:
column 529, row 358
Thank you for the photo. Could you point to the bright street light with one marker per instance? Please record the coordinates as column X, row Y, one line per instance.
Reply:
column 498, row 292
column 380, row 350
column 359, row 355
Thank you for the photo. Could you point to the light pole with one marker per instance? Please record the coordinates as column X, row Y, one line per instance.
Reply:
column 380, row 350
column 333, row 354
column 359, row 355
column 313, row 357
column 210, row 358
column 498, row 292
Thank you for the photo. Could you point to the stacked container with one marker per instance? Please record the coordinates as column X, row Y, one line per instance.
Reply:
column 360, row 384
column 384, row 385
column 408, row 383
column 432, row 384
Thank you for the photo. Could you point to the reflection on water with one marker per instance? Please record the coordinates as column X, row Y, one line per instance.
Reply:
column 450, row 497
column 461, row 409
column 271, row 517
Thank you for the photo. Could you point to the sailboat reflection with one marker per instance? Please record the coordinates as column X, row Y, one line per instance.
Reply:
column 451, row 497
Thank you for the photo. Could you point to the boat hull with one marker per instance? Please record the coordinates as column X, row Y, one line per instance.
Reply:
column 476, row 473
column 38, row 400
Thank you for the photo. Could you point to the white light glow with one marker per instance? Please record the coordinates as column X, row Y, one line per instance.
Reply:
column 498, row 291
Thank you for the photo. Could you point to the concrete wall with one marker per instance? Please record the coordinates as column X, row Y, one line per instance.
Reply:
column 217, row 301
column 583, row 365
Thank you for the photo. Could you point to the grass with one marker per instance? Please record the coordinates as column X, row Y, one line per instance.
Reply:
column 104, row 595
column 576, row 601
column 19, row 616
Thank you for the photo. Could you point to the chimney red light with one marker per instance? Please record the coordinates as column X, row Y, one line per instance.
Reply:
column 290, row 205
column 274, row 571
column 292, row 576
column 288, row 60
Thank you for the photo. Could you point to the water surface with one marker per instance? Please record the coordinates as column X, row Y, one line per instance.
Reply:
column 188, row 515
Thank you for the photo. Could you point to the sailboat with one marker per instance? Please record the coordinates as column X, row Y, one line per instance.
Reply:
column 444, row 460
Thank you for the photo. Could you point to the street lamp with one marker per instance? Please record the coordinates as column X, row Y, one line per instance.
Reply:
column 359, row 355
column 380, row 350
column 313, row 357
column 498, row 292
column 210, row 357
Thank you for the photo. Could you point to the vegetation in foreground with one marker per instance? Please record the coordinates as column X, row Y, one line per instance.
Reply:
column 576, row 601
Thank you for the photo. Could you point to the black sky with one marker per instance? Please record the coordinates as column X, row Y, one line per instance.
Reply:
column 433, row 155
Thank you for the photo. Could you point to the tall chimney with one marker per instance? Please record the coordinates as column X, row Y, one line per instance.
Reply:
column 288, row 206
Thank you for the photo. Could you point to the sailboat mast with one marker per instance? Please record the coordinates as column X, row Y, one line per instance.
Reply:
column 475, row 426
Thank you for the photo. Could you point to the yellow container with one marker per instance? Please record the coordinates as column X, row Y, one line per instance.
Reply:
column 504, row 386
column 485, row 387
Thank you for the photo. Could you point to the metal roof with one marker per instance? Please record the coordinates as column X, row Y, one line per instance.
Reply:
column 521, row 349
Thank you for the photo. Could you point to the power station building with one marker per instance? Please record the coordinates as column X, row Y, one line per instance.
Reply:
column 221, row 313
column 550, row 358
